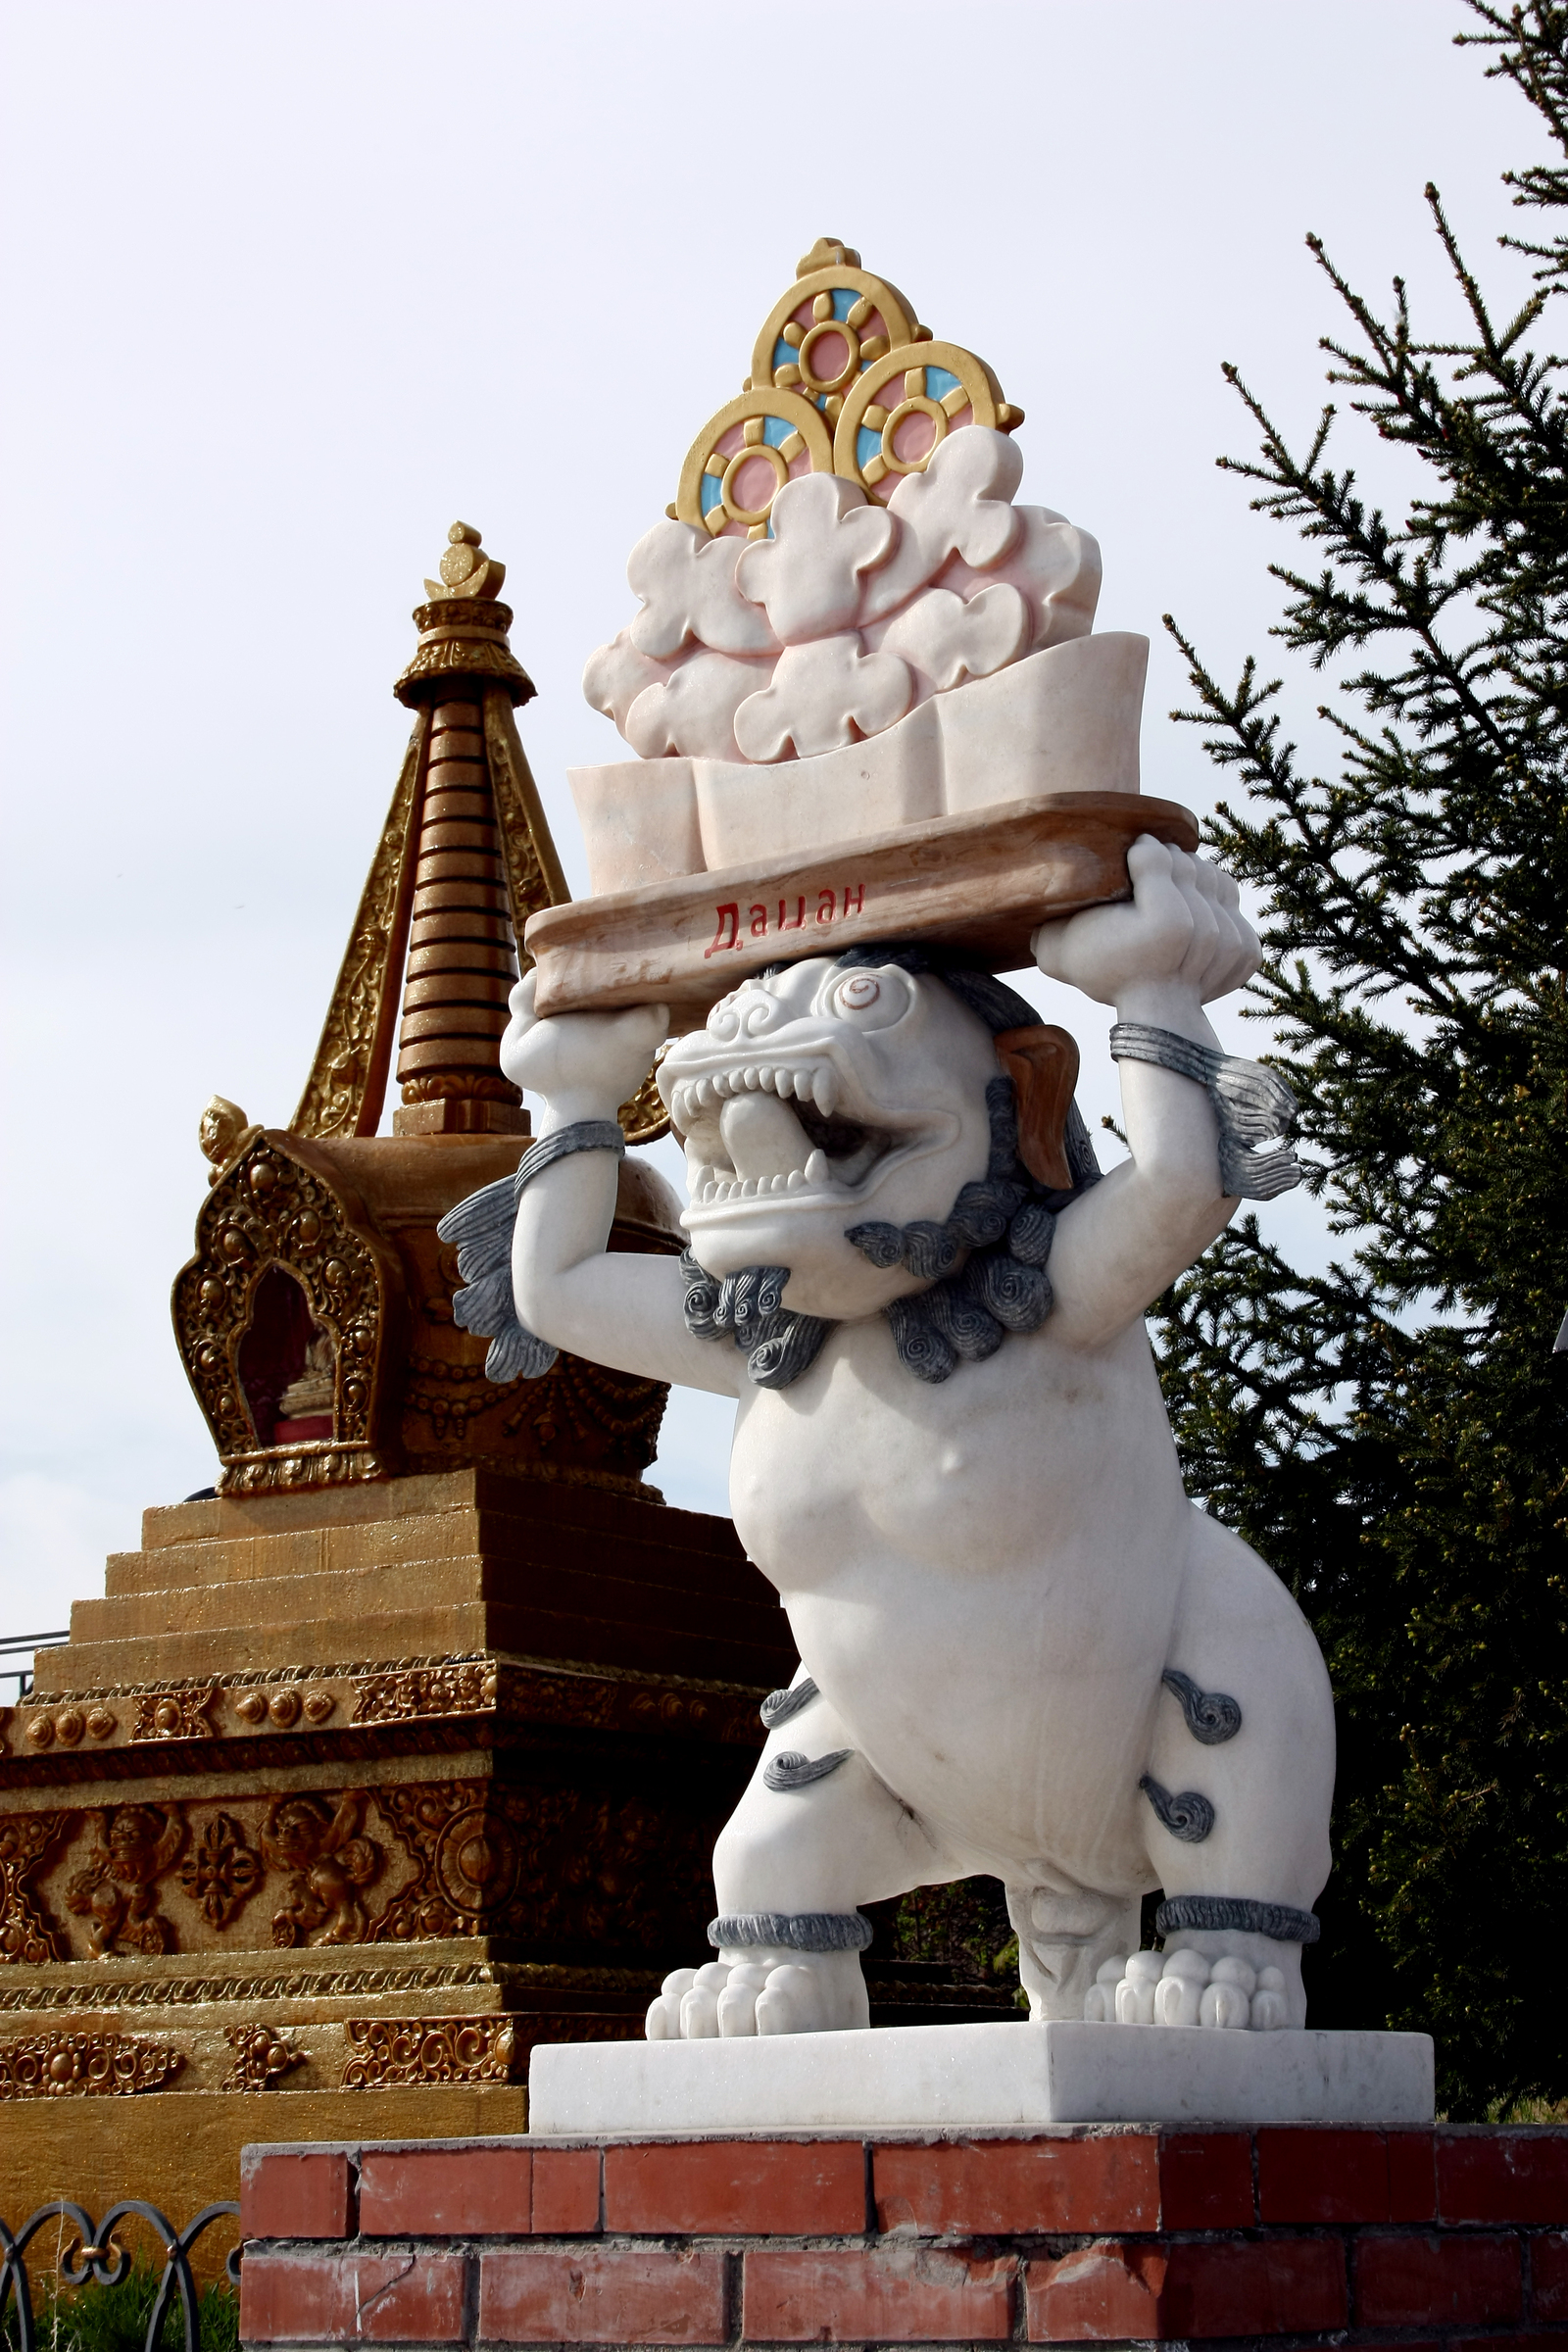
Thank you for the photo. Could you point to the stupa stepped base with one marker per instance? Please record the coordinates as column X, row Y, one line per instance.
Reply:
column 341, row 1799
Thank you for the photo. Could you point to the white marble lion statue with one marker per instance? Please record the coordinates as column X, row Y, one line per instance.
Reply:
column 1023, row 1651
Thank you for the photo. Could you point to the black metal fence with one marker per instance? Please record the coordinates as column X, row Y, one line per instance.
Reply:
column 22, row 1645
column 86, row 2253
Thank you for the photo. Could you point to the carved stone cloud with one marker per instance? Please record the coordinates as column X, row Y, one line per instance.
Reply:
column 823, row 697
column 687, row 584
column 809, row 575
column 692, row 710
column 945, row 640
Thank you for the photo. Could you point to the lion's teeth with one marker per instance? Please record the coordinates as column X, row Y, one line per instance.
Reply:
column 793, row 1180
column 776, row 1184
column 816, row 1168
column 748, row 1078
column 764, row 1077
column 825, row 1091
column 703, row 1092
column 722, row 1084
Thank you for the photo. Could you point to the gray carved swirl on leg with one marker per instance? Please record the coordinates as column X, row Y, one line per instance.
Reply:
column 791, row 1770
column 1212, row 1716
column 1188, row 1815
column 779, row 1706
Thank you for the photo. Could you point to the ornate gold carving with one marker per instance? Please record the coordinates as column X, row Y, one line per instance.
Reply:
column 463, row 1689
column 362, row 1983
column 569, row 1864
column 347, row 1085
column 643, row 1117
column 582, row 1397
column 262, row 2057
column 116, row 1888
column 534, row 876
column 458, row 1086
column 54, row 2065
column 224, row 1133
column 25, row 1935
column 301, row 1466
column 461, row 638
column 271, row 1209
column 179, row 1714
column 428, row 2049
column 465, row 570
column 101, row 1720
column 452, row 1393
column 220, row 1873
column 329, row 1862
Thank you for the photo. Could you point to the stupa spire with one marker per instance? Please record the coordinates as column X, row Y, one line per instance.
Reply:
column 465, row 858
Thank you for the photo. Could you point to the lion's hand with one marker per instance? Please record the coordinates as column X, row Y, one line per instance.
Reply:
column 581, row 1061
column 1184, row 928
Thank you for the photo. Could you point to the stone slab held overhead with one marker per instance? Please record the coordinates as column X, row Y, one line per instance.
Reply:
column 1002, row 2078
column 982, row 882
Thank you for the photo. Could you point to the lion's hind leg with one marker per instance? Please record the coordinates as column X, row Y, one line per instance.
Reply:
column 1238, row 1788
column 815, row 1834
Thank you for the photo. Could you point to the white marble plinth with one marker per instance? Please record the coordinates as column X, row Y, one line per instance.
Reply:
column 997, row 2078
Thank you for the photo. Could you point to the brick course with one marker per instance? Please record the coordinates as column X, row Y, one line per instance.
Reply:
column 1452, row 2240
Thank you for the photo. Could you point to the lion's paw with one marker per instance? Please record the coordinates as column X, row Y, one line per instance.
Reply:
column 724, row 1998
column 1184, row 1989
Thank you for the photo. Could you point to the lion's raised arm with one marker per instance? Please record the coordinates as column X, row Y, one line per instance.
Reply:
column 625, row 1312
column 1182, row 942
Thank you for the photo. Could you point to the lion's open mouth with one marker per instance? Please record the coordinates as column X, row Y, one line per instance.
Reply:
column 771, row 1128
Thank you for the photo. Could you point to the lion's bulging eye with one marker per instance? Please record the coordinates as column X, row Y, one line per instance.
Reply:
column 868, row 1000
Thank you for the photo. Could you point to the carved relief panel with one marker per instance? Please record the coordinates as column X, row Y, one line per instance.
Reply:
column 563, row 1865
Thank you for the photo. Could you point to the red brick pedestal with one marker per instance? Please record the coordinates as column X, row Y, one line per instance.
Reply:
column 1456, row 2237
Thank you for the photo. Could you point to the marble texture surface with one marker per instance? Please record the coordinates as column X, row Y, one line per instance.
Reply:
column 1028, row 1655
column 1064, row 720
column 1001, row 2077
column 829, row 627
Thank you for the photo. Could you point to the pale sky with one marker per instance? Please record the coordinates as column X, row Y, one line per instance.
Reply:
column 289, row 287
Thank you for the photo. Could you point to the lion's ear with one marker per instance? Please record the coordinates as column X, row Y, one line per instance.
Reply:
column 1043, row 1064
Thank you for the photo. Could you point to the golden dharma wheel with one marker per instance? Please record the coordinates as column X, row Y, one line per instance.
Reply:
column 744, row 456
column 902, row 408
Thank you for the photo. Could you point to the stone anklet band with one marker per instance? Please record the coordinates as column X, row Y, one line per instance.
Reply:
column 793, row 1930
column 1211, row 1912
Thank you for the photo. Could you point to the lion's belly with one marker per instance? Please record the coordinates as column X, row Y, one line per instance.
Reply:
column 982, row 1577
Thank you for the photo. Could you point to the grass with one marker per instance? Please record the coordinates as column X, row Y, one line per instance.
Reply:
column 116, row 2319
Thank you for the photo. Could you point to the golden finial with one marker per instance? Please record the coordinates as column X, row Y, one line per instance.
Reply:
column 828, row 253
column 465, row 568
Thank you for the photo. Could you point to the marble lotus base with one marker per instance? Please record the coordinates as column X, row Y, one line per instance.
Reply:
column 1001, row 2077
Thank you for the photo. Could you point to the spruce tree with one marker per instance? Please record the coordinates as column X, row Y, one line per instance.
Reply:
column 1390, row 1433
